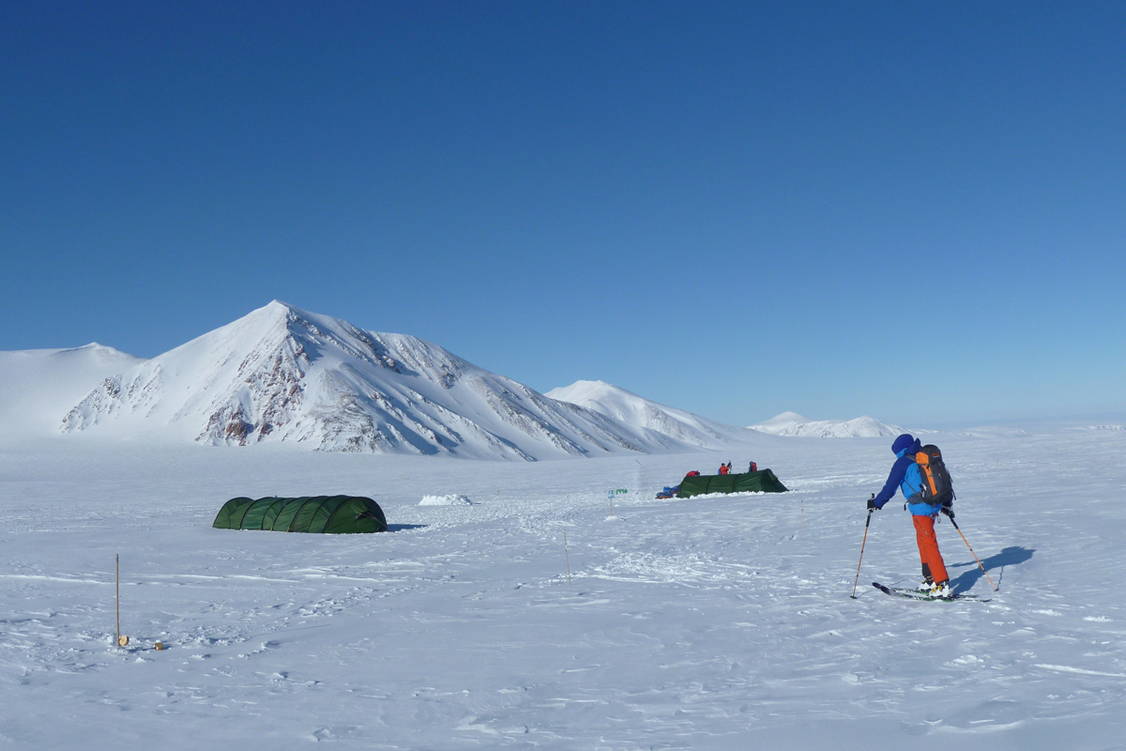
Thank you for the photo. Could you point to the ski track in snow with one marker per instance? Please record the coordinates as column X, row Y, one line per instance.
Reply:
column 683, row 624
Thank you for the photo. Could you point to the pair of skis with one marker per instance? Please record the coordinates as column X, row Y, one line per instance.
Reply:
column 914, row 594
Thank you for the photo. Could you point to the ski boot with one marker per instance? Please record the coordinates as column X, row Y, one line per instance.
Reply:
column 941, row 591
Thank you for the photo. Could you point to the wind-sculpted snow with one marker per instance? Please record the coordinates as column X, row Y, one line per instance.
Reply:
column 285, row 375
column 542, row 616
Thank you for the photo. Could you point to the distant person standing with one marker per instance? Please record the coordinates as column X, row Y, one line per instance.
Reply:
column 752, row 467
column 907, row 474
column 723, row 469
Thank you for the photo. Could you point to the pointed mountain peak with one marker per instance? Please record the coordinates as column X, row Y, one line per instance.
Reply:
column 303, row 324
column 274, row 309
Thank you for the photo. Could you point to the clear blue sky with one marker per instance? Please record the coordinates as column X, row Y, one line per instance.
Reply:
column 914, row 210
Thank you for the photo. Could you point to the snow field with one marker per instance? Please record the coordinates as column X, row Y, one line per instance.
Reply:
column 697, row 623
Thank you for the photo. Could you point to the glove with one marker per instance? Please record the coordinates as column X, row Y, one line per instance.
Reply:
column 872, row 504
column 948, row 511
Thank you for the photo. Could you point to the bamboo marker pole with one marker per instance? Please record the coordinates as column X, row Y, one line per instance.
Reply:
column 117, row 597
column 119, row 638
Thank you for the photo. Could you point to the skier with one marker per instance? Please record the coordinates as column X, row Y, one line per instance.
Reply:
column 906, row 474
column 725, row 468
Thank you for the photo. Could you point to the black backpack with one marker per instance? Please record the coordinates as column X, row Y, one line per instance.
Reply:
column 938, row 489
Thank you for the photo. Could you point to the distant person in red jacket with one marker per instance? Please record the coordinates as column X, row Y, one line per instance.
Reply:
column 753, row 467
column 693, row 473
column 724, row 468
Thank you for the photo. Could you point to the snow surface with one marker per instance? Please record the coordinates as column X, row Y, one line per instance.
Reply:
column 793, row 424
column 683, row 624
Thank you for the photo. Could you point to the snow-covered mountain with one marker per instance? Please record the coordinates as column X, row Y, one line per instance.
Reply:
column 793, row 424
column 281, row 374
column 38, row 383
column 631, row 409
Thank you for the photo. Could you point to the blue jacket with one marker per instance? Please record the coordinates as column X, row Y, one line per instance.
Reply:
column 906, row 474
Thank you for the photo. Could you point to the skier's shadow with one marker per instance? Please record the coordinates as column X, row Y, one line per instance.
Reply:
column 1010, row 556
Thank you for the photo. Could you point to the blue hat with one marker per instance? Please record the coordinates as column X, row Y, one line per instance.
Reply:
column 904, row 441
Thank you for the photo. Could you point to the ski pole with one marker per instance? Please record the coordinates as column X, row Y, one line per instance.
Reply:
column 863, row 542
column 971, row 547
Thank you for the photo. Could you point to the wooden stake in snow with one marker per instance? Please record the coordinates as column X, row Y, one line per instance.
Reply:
column 120, row 638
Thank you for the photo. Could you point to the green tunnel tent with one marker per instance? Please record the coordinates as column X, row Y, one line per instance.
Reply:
column 333, row 514
column 762, row 481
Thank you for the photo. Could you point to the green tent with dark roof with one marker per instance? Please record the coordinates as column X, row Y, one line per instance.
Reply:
column 336, row 514
column 762, row 481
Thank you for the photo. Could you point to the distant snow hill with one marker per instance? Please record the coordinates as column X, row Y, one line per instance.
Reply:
column 281, row 374
column 793, row 424
column 631, row 409
column 40, row 383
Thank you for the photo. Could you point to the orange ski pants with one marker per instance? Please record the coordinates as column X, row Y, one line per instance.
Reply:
column 933, row 566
